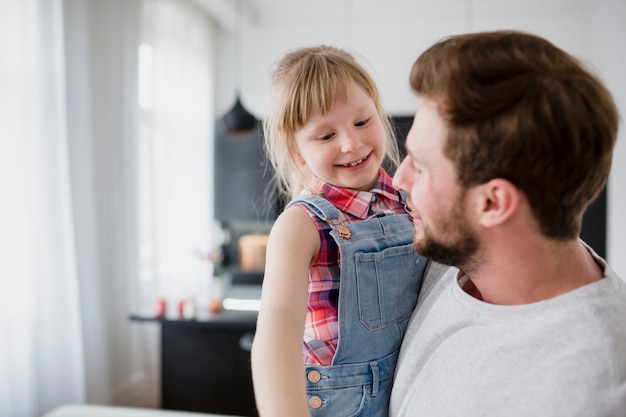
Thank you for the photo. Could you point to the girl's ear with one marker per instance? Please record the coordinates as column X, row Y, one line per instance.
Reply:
column 298, row 157
column 499, row 199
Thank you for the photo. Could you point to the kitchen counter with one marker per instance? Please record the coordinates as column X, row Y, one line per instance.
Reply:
column 225, row 318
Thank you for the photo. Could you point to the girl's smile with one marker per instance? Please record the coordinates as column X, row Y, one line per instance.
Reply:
column 356, row 163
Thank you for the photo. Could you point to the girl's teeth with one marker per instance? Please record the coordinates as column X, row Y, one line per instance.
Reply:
column 353, row 164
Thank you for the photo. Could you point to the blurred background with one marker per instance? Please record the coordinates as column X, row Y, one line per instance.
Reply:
column 122, row 185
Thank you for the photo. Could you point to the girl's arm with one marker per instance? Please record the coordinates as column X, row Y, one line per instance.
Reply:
column 277, row 364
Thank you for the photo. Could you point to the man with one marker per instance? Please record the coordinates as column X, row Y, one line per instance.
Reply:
column 511, row 142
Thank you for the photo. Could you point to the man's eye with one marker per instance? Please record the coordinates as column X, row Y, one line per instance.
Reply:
column 363, row 122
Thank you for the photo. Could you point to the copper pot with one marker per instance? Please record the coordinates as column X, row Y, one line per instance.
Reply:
column 252, row 252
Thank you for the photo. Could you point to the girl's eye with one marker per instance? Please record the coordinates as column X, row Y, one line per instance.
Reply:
column 362, row 122
column 329, row 136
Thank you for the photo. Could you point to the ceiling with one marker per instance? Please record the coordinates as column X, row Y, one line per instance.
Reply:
column 227, row 12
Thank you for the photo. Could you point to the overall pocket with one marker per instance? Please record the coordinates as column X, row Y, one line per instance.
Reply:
column 388, row 284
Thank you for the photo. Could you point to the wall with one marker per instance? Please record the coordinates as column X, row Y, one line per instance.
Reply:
column 608, row 39
column 389, row 39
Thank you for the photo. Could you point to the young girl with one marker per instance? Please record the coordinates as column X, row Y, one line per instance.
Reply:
column 341, row 276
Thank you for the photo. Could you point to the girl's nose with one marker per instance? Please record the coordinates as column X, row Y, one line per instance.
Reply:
column 350, row 143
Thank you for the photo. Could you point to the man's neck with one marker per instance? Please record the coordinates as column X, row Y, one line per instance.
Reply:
column 531, row 271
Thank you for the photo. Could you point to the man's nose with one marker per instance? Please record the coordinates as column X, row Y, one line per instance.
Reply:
column 399, row 178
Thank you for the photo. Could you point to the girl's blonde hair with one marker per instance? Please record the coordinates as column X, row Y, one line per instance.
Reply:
column 307, row 81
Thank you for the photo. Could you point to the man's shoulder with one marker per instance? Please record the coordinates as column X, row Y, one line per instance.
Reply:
column 437, row 273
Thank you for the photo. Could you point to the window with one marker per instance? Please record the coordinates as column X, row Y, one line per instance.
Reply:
column 175, row 136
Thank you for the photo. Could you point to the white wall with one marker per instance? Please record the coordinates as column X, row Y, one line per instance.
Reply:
column 390, row 35
column 608, row 53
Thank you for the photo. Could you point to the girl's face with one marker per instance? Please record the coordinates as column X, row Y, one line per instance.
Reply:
column 346, row 146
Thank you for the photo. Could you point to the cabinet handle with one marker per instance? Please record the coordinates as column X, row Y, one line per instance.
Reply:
column 245, row 341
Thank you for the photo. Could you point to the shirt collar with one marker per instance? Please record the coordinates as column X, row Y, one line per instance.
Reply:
column 354, row 202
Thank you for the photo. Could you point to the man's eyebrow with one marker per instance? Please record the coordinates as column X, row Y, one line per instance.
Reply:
column 418, row 159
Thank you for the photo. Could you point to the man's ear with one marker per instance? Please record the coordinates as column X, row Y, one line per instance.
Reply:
column 499, row 200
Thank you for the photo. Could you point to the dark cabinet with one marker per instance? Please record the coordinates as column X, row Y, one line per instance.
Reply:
column 205, row 364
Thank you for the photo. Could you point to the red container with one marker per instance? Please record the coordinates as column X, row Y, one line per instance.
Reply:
column 160, row 307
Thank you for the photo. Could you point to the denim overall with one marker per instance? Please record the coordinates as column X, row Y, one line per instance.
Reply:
column 381, row 275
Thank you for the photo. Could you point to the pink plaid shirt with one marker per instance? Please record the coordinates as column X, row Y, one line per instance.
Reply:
column 321, row 330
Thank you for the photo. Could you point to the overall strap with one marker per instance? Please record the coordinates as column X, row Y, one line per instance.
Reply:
column 324, row 210
column 320, row 206
column 404, row 200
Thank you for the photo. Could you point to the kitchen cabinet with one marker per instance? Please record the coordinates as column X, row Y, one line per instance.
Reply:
column 205, row 363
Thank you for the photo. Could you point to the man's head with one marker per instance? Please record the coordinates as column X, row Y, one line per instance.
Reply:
column 518, row 108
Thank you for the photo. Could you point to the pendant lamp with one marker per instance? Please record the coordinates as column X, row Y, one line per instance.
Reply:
column 238, row 120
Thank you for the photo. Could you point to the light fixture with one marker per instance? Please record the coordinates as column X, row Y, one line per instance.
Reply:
column 238, row 120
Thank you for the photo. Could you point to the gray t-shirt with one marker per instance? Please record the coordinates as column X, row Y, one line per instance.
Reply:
column 565, row 356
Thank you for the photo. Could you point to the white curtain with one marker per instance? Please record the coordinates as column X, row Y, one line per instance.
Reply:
column 82, row 243
column 68, row 234
column 100, row 55
column 41, row 351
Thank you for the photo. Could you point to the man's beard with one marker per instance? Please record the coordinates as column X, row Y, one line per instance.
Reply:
column 461, row 251
column 458, row 253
